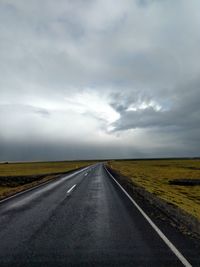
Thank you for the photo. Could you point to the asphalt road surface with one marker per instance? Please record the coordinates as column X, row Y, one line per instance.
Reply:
column 82, row 219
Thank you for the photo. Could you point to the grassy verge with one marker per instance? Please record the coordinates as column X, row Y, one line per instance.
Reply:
column 155, row 176
column 37, row 168
column 16, row 177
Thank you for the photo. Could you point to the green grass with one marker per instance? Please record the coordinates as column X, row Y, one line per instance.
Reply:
column 154, row 176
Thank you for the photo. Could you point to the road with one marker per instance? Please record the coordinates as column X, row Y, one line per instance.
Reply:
column 81, row 219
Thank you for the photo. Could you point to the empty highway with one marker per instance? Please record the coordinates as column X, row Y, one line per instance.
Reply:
column 83, row 219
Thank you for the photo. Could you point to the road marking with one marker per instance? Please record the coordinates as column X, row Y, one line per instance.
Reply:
column 68, row 176
column 86, row 174
column 159, row 232
column 68, row 192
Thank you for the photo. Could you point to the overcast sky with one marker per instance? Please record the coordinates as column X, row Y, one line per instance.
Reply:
column 87, row 79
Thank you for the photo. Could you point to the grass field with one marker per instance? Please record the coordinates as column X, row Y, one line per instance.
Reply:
column 35, row 168
column 154, row 176
column 15, row 177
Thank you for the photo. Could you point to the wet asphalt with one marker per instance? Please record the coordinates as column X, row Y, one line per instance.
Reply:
column 81, row 219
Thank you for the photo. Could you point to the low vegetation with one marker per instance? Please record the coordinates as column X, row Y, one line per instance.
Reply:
column 156, row 176
column 37, row 168
column 15, row 177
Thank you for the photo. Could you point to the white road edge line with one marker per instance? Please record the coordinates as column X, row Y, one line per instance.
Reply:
column 158, row 231
column 71, row 189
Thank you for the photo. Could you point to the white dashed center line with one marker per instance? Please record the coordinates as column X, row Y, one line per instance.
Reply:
column 70, row 190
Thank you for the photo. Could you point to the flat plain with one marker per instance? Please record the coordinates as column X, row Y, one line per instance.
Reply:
column 155, row 176
column 16, row 177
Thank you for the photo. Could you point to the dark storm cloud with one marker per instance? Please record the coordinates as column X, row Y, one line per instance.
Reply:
column 21, row 151
column 101, row 75
column 175, row 122
column 183, row 111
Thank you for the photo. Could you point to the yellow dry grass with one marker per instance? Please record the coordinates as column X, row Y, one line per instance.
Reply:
column 35, row 168
column 50, row 170
column 154, row 175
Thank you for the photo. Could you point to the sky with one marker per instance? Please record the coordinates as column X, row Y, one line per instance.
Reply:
column 88, row 79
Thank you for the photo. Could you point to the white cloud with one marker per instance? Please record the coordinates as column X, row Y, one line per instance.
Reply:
column 95, row 104
column 144, row 105
column 80, row 71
